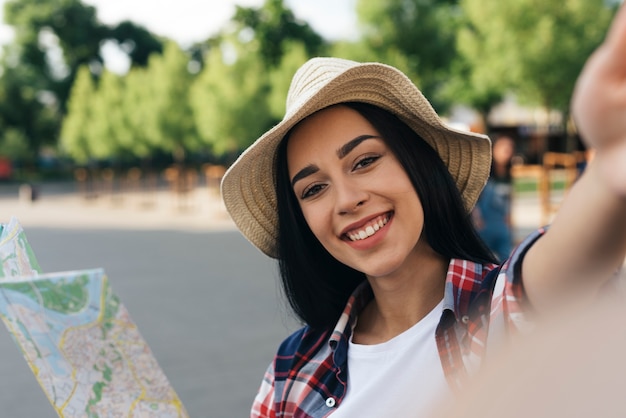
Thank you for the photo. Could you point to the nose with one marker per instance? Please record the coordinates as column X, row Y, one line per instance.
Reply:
column 349, row 197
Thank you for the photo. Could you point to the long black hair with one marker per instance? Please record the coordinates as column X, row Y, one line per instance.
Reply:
column 315, row 284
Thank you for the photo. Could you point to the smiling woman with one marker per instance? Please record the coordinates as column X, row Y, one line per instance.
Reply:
column 368, row 219
column 364, row 197
column 355, row 185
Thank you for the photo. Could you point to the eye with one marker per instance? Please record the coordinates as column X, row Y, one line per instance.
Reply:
column 365, row 161
column 312, row 190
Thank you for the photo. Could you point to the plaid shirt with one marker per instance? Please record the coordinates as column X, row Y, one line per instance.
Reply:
column 308, row 377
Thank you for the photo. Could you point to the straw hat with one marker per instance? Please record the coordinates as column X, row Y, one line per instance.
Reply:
column 248, row 187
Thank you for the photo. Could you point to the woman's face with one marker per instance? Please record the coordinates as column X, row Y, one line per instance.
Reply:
column 503, row 150
column 354, row 194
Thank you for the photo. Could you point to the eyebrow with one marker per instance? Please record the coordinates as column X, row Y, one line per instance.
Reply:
column 306, row 171
column 352, row 144
column 341, row 153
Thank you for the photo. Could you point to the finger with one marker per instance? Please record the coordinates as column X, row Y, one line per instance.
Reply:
column 608, row 62
column 616, row 37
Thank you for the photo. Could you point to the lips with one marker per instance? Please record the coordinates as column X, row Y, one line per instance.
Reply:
column 368, row 229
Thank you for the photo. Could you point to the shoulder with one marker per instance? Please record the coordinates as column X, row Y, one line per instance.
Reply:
column 512, row 267
column 302, row 344
column 467, row 278
column 509, row 297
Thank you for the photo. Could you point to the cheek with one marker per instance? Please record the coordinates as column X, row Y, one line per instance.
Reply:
column 318, row 222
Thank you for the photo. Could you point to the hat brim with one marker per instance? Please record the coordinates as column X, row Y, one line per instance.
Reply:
column 248, row 186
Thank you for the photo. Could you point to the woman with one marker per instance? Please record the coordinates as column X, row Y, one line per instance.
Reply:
column 492, row 214
column 364, row 197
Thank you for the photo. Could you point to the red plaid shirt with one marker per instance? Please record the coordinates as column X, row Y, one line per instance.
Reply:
column 308, row 377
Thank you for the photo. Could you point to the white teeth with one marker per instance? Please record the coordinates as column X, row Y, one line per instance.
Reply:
column 369, row 230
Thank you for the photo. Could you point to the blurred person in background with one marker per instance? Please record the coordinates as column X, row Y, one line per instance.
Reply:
column 492, row 213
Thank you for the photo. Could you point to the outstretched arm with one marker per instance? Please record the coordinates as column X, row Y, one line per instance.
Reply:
column 586, row 243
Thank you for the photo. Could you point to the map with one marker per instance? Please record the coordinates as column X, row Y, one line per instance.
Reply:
column 79, row 340
column 16, row 256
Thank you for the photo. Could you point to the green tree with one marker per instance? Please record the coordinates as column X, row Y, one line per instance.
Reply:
column 169, row 123
column 274, row 26
column 280, row 78
column 28, row 110
column 137, row 94
column 472, row 81
column 44, row 28
column 230, row 102
column 136, row 41
column 245, row 73
column 108, row 129
column 53, row 38
column 535, row 48
column 423, row 31
column 13, row 144
column 76, row 136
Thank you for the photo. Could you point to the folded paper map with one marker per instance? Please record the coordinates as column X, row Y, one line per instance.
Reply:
column 16, row 256
column 79, row 340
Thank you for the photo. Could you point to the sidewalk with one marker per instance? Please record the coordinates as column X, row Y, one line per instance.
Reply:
column 60, row 206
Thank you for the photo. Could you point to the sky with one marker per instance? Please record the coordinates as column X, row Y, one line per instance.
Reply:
column 187, row 21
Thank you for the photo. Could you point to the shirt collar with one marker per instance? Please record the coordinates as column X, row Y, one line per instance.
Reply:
column 359, row 298
column 463, row 282
column 462, row 275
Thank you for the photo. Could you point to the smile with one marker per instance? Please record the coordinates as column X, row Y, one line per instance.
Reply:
column 369, row 229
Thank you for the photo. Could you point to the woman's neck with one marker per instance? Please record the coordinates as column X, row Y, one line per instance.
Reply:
column 501, row 169
column 401, row 301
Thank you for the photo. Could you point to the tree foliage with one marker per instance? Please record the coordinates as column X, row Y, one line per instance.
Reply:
column 53, row 39
column 75, row 138
column 230, row 102
column 242, row 87
column 534, row 48
column 225, row 91
column 137, row 93
column 168, row 122
column 27, row 110
column 145, row 111
column 422, row 32
column 280, row 78
column 273, row 25
column 107, row 126
column 136, row 41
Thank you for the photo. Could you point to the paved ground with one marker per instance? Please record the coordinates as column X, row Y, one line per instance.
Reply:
column 59, row 205
column 206, row 300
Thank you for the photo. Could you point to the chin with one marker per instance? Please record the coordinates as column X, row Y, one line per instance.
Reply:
column 380, row 271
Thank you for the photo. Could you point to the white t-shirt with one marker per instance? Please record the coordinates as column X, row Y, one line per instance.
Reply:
column 401, row 377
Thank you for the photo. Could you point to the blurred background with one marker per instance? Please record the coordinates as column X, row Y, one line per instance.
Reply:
column 118, row 119
column 133, row 92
